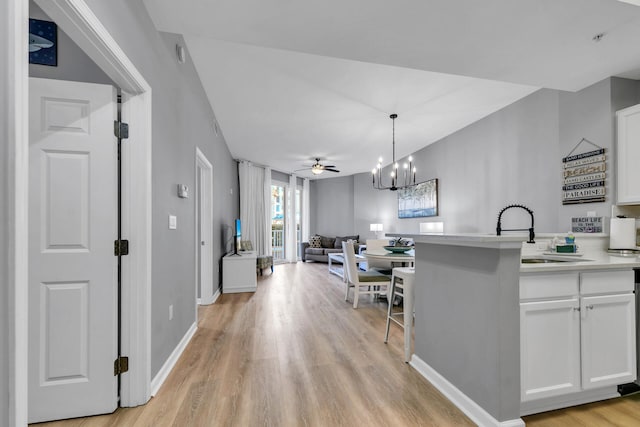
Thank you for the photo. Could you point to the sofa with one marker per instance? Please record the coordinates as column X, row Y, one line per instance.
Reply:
column 319, row 247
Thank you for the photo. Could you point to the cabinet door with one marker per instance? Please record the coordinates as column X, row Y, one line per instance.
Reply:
column 628, row 188
column 608, row 340
column 549, row 348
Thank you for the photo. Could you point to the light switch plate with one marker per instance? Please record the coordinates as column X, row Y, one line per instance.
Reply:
column 173, row 222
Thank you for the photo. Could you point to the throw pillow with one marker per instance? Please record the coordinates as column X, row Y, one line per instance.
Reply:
column 327, row 242
column 339, row 240
column 315, row 242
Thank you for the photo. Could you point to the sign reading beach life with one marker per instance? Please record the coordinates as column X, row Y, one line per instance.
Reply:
column 584, row 176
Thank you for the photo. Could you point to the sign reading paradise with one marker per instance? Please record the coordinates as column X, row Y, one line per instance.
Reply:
column 584, row 177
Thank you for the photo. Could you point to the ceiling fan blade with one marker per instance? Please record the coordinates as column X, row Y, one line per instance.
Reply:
column 303, row 169
column 328, row 166
column 331, row 170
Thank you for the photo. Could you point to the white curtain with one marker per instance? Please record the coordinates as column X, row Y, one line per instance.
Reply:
column 267, row 249
column 306, row 214
column 291, row 253
column 255, row 204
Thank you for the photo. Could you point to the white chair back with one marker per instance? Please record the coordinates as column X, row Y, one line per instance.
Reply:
column 350, row 266
column 377, row 244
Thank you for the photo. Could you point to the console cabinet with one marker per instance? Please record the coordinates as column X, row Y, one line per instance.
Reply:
column 577, row 332
column 239, row 273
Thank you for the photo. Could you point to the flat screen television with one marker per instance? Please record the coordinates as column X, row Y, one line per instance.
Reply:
column 237, row 237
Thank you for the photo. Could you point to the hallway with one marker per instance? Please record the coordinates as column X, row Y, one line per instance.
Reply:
column 294, row 353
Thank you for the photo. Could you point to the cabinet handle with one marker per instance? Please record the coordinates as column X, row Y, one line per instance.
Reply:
column 590, row 307
column 576, row 308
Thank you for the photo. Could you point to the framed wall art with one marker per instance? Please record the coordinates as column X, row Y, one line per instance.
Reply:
column 43, row 42
column 419, row 201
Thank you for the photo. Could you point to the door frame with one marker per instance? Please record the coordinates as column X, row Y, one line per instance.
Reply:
column 208, row 294
column 86, row 30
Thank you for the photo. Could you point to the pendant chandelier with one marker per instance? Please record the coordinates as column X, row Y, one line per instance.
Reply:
column 409, row 175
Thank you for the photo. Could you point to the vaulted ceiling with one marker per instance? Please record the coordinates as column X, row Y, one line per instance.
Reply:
column 291, row 80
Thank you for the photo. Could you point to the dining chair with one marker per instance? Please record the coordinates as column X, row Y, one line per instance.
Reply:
column 363, row 282
column 383, row 267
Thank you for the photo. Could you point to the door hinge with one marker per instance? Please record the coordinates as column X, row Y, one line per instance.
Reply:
column 121, row 365
column 121, row 247
column 121, row 130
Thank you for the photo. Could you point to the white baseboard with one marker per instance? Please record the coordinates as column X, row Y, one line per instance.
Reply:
column 211, row 300
column 164, row 372
column 573, row 399
column 459, row 399
column 216, row 295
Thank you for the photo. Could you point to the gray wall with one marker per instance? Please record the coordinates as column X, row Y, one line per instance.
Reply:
column 5, row 388
column 73, row 63
column 332, row 202
column 512, row 156
column 182, row 121
column 279, row 176
column 467, row 322
column 590, row 114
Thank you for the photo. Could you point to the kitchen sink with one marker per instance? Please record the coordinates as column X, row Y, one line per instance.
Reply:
column 542, row 260
column 549, row 260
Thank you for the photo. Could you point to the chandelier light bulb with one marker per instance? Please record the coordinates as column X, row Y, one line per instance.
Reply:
column 414, row 169
column 393, row 174
column 373, row 171
column 410, row 158
column 379, row 166
column 406, row 165
column 380, row 160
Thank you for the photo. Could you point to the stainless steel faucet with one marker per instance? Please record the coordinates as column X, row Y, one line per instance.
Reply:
column 499, row 229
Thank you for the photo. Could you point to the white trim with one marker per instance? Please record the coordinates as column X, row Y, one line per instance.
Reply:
column 164, row 372
column 471, row 409
column 573, row 399
column 17, row 104
column 213, row 299
column 202, row 163
column 86, row 30
column 136, row 271
column 242, row 289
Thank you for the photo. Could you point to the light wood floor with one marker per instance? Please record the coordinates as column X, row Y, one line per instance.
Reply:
column 296, row 354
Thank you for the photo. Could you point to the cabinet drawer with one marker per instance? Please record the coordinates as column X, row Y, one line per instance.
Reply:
column 606, row 281
column 538, row 286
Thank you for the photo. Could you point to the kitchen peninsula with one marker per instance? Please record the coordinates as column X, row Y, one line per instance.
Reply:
column 467, row 333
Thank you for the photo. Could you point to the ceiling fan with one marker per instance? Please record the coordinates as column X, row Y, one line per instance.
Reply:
column 317, row 168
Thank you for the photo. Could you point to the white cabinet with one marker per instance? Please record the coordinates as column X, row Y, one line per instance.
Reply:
column 608, row 340
column 628, row 147
column 577, row 332
column 549, row 348
column 239, row 273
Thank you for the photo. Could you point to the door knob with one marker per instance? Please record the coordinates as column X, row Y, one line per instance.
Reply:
column 202, row 243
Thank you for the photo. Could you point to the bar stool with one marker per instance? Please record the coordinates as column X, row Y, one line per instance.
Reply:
column 404, row 289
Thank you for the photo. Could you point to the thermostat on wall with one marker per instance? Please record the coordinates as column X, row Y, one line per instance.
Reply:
column 183, row 191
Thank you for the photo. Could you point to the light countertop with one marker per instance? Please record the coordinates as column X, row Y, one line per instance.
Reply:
column 595, row 256
column 591, row 260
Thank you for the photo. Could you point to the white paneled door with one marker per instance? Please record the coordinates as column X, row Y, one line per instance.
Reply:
column 72, row 268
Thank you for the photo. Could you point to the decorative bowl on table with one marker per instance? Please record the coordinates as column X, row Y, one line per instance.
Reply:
column 398, row 249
